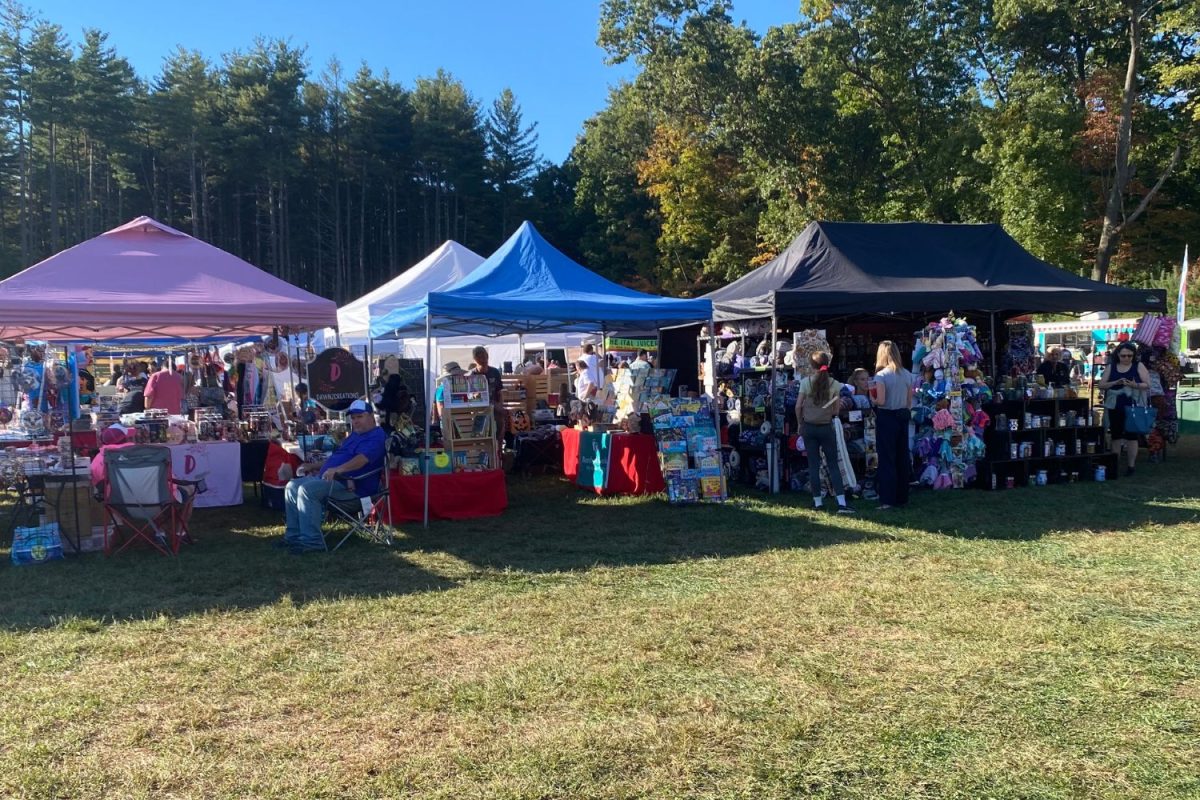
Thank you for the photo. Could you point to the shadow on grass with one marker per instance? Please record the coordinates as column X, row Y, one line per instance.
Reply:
column 1166, row 493
column 231, row 567
column 552, row 525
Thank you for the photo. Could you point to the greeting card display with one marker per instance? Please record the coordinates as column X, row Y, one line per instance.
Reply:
column 689, row 449
column 635, row 389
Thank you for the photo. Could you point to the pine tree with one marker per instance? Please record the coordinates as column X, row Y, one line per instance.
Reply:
column 512, row 156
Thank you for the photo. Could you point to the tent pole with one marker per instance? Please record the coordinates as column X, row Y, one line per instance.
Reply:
column 428, row 417
column 370, row 356
column 367, row 375
column 604, row 354
column 716, row 411
column 992, row 319
column 773, row 452
column 293, row 360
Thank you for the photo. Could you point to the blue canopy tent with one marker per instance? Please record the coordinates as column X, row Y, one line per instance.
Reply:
column 529, row 286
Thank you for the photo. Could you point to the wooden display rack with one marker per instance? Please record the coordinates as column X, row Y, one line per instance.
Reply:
column 520, row 393
column 1079, row 460
column 469, row 426
column 537, row 387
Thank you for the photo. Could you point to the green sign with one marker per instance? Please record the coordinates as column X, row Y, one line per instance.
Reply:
column 613, row 343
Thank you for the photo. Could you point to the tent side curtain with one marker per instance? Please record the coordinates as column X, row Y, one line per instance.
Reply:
column 836, row 268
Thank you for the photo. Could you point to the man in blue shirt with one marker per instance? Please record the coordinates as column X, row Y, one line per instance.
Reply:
column 341, row 478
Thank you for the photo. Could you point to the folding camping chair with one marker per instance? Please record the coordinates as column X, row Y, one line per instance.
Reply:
column 370, row 517
column 141, row 498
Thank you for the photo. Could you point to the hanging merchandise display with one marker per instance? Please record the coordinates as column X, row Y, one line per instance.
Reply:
column 1020, row 356
column 948, row 404
column 804, row 344
column 1166, row 372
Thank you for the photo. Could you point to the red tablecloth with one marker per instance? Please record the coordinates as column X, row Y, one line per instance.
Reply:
column 633, row 466
column 570, row 443
column 458, row 495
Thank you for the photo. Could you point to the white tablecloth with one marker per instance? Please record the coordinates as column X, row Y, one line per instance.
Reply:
column 219, row 463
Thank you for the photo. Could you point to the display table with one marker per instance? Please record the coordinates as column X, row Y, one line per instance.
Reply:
column 219, row 463
column 612, row 463
column 456, row 495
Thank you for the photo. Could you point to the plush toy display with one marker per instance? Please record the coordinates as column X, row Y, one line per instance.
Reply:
column 947, row 404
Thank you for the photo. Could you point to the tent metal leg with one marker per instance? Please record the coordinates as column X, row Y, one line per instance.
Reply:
column 992, row 321
column 773, row 460
column 428, row 418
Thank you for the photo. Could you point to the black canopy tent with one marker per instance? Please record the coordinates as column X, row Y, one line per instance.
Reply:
column 836, row 269
column 838, row 272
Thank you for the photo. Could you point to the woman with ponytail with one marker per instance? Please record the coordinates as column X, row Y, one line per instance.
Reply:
column 818, row 403
column 891, row 393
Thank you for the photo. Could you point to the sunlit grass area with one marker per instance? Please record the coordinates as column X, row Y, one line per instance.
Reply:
column 1037, row 643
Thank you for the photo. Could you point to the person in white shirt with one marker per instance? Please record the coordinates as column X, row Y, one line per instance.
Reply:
column 585, row 387
column 594, row 368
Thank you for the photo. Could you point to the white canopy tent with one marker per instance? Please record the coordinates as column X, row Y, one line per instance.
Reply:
column 439, row 270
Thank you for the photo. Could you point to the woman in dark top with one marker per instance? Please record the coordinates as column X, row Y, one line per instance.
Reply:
column 1125, row 383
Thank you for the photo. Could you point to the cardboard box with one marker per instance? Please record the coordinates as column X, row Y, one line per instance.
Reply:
column 72, row 506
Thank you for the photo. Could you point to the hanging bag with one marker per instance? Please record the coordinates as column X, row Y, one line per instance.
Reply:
column 1140, row 419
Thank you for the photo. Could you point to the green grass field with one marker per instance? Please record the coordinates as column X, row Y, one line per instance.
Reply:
column 1039, row 643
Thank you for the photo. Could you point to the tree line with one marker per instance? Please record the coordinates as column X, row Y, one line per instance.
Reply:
column 1073, row 125
column 335, row 182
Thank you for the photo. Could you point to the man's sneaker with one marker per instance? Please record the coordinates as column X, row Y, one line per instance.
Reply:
column 845, row 510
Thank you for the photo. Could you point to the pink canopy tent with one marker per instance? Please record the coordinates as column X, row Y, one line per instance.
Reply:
column 147, row 281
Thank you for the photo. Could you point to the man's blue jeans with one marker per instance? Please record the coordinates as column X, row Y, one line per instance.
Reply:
column 304, row 504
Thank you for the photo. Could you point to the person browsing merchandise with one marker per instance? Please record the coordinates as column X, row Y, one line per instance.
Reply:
column 132, row 387
column 164, row 389
column 1053, row 370
column 816, row 405
column 353, row 470
column 1125, row 384
column 450, row 369
column 891, row 394
column 641, row 364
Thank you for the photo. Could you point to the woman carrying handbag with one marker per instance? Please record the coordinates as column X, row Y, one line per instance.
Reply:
column 1125, row 384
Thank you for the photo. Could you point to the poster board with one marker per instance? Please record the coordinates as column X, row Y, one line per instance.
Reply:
column 336, row 378
column 412, row 373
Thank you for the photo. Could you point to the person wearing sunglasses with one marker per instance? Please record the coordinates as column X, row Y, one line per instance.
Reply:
column 1125, row 382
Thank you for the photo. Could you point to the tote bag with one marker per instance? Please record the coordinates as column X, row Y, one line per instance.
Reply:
column 1140, row 419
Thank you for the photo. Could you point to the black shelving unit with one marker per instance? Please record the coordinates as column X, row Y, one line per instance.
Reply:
column 1079, row 462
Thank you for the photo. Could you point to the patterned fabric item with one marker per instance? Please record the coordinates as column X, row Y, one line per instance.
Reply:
column 1165, row 333
column 1147, row 328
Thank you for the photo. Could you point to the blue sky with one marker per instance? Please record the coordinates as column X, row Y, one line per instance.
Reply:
column 544, row 50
